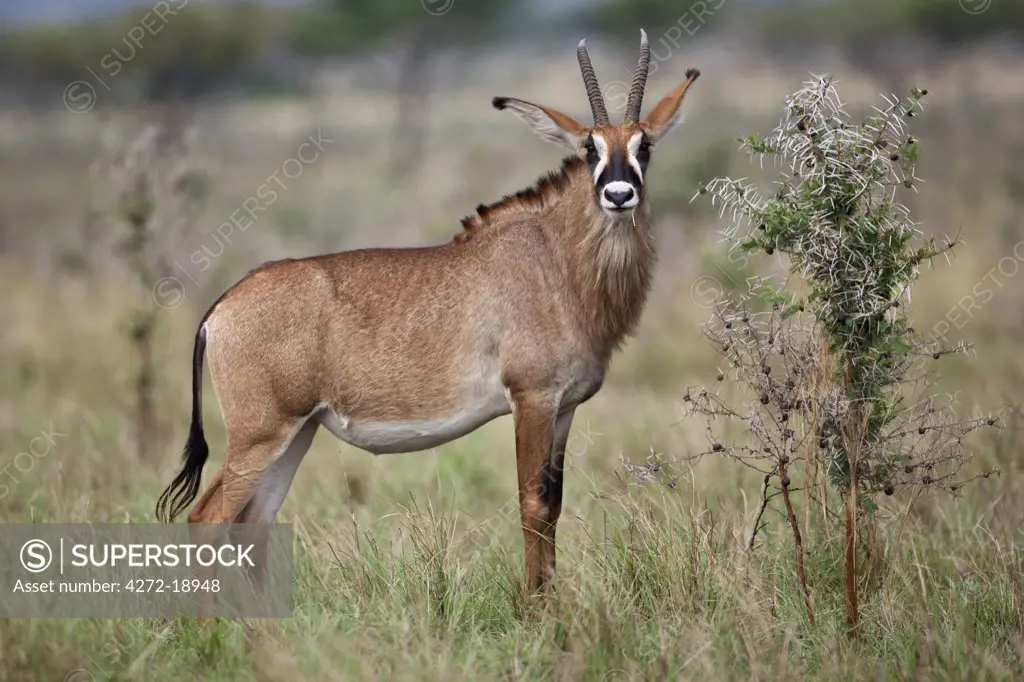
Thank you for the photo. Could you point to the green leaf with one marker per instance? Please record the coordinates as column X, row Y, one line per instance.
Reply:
column 899, row 346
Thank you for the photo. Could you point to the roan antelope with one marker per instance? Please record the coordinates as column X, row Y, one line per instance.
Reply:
column 400, row 350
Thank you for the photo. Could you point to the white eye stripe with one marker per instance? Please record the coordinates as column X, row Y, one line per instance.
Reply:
column 634, row 148
column 602, row 155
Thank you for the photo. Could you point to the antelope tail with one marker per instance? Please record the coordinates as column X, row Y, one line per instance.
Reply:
column 185, row 486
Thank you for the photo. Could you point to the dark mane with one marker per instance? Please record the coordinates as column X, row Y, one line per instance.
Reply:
column 541, row 195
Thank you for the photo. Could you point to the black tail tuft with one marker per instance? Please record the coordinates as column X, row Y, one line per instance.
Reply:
column 185, row 486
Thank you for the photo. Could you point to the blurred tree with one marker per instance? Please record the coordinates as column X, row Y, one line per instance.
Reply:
column 152, row 188
column 965, row 21
column 197, row 51
column 868, row 31
column 334, row 27
column 419, row 30
column 890, row 38
column 654, row 15
column 203, row 50
column 865, row 30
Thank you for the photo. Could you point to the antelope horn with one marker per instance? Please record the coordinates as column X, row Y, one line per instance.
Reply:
column 593, row 89
column 636, row 94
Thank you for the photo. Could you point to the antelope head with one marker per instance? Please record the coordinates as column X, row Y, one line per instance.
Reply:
column 617, row 155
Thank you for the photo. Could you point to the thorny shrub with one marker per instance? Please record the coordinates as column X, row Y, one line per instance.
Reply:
column 840, row 387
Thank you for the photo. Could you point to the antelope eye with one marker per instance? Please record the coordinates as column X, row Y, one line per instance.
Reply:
column 643, row 151
column 591, row 150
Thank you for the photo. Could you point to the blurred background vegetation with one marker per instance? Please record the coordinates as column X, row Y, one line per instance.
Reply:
column 247, row 47
column 401, row 90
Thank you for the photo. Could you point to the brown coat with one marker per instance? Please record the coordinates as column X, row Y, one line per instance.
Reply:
column 397, row 350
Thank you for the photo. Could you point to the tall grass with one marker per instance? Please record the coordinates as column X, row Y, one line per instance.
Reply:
column 663, row 588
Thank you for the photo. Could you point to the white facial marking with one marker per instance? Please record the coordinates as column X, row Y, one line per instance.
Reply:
column 634, row 147
column 602, row 155
column 619, row 186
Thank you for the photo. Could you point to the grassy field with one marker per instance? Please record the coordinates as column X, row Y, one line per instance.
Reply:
column 408, row 565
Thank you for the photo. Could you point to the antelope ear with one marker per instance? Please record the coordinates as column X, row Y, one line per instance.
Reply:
column 551, row 125
column 667, row 114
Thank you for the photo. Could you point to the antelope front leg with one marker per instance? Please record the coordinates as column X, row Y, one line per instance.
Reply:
column 551, row 488
column 539, row 484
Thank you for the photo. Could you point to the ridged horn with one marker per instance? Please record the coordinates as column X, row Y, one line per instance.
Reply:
column 593, row 89
column 636, row 93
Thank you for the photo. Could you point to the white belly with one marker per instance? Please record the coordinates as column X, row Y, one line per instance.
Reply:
column 380, row 437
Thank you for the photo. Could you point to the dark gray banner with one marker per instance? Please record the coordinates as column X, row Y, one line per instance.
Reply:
column 142, row 570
